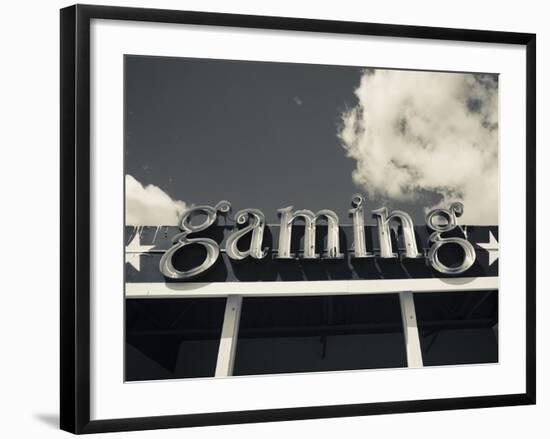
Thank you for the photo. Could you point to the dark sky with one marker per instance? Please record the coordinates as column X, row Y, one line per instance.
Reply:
column 258, row 134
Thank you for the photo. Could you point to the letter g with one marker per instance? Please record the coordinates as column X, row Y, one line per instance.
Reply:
column 449, row 216
column 181, row 240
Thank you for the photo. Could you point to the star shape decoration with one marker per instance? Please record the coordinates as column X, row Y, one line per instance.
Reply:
column 491, row 247
column 134, row 250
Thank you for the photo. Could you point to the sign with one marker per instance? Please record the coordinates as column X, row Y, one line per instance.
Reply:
column 244, row 247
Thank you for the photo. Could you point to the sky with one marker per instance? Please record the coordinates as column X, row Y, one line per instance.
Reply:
column 271, row 135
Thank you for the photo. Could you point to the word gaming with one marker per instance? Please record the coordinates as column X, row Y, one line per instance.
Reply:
column 252, row 221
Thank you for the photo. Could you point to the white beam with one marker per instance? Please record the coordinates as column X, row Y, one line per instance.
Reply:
column 159, row 290
column 228, row 340
column 410, row 328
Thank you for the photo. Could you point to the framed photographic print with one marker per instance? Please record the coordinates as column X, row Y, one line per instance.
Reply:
column 269, row 218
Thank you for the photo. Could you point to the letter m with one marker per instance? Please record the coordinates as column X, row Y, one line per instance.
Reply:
column 288, row 216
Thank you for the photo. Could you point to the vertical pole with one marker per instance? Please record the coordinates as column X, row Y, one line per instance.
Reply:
column 228, row 340
column 410, row 327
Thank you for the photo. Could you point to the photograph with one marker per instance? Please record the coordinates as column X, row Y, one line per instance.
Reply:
column 275, row 219
column 291, row 218
column 279, row 218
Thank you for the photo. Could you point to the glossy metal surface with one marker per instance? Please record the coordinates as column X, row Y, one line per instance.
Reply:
column 256, row 226
column 449, row 222
column 288, row 216
column 383, row 221
column 181, row 240
column 358, row 217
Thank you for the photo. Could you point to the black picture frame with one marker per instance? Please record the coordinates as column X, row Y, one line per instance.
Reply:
column 75, row 217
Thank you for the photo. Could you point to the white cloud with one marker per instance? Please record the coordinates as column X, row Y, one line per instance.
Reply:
column 150, row 206
column 426, row 131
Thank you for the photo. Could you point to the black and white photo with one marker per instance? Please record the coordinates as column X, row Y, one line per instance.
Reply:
column 306, row 183
column 268, row 219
